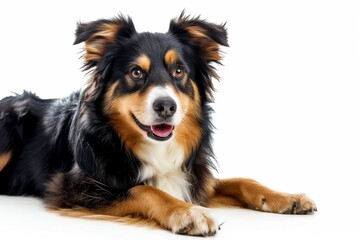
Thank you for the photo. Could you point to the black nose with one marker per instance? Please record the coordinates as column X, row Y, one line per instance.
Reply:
column 165, row 107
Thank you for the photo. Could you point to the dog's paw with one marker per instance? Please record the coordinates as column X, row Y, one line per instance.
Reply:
column 193, row 221
column 301, row 204
column 288, row 204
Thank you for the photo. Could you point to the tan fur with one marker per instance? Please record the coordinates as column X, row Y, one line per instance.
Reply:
column 196, row 31
column 156, row 207
column 95, row 46
column 223, row 201
column 251, row 194
column 209, row 48
column 4, row 159
column 149, row 202
column 144, row 62
column 129, row 81
column 119, row 109
column 149, row 206
column 188, row 133
column 171, row 56
column 89, row 214
column 210, row 184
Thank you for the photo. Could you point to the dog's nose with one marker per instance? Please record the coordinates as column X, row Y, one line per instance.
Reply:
column 165, row 107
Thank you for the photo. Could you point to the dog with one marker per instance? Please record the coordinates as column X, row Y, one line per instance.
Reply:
column 136, row 139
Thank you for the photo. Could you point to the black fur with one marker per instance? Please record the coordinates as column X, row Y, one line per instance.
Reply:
column 66, row 150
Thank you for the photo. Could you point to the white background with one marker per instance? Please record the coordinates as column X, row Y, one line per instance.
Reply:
column 287, row 107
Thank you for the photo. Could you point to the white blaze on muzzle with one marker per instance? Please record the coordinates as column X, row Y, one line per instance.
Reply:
column 151, row 116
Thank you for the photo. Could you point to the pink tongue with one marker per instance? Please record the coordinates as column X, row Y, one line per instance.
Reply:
column 162, row 130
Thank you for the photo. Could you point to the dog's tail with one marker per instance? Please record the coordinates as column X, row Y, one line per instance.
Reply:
column 13, row 110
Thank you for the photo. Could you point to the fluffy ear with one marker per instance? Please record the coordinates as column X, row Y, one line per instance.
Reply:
column 98, row 35
column 204, row 36
column 204, row 39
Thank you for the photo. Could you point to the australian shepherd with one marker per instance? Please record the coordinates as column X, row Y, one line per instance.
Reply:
column 136, row 139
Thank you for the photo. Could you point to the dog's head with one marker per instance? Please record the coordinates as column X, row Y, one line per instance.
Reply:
column 152, row 86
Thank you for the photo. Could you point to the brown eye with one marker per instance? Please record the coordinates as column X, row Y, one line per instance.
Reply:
column 178, row 72
column 136, row 73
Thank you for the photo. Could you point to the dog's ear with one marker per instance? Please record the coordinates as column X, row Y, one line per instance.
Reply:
column 204, row 36
column 98, row 35
column 205, row 39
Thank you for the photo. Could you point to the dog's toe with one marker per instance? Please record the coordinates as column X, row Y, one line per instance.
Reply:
column 193, row 221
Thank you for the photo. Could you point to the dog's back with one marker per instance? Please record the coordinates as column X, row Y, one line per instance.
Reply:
column 33, row 142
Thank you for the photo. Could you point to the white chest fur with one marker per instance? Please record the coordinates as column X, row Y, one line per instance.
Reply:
column 162, row 162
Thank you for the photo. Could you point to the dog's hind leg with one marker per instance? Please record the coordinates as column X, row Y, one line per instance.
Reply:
column 248, row 193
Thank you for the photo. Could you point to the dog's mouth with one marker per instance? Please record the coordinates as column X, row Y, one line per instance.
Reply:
column 160, row 132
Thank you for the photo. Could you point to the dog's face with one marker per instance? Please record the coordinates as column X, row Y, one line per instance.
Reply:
column 150, row 89
column 153, row 85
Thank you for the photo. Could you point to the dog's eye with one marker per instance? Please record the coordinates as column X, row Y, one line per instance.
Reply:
column 136, row 73
column 178, row 72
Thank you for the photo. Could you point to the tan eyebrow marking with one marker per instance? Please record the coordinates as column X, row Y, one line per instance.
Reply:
column 171, row 56
column 144, row 62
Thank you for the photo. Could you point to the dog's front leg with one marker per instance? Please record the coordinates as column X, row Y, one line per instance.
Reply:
column 178, row 216
column 251, row 194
